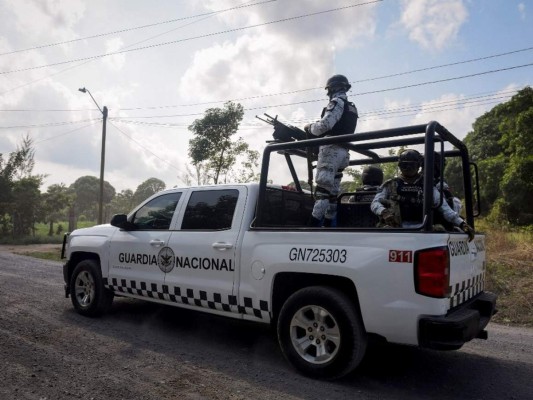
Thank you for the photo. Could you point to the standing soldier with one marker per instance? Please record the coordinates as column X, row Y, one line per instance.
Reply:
column 339, row 117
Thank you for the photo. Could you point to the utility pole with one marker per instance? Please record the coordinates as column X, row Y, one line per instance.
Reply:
column 102, row 167
column 102, row 158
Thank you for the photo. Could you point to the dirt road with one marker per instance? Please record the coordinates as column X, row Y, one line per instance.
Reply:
column 148, row 351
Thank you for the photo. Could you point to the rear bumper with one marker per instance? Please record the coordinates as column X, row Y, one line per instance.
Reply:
column 462, row 324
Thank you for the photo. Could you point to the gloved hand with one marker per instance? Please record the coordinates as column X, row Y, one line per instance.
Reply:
column 468, row 230
column 388, row 217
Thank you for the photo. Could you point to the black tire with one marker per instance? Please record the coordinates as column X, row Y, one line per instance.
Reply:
column 87, row 291
column 321, row 333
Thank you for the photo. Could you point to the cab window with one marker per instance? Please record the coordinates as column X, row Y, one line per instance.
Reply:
column 210, row 209
column 157, row 213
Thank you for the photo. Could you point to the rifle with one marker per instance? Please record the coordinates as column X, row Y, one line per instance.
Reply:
column 393, row 205
column 283, row 132
column 288, row 133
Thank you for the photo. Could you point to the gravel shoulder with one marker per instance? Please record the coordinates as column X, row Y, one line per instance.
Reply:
column 148, row 351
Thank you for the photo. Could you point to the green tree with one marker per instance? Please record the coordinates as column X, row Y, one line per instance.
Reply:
column 10, row 168
column 19, row 190
column 123, row 202
column 355, row 182
column 26, row 204
column 87, row 193
column 148, row 188
column 500, row 144
column 212, row 147
column 248, row 170
column 54, row 202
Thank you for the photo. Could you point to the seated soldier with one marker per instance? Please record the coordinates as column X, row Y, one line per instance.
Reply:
column 452, row 201
column 399, row 201
column 372, row 178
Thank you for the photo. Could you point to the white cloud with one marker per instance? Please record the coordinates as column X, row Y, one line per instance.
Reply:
column 275, row 57
column 433, row 24
column 47, row 18
column 114, row 62
column 522, row 11
column 457, row 113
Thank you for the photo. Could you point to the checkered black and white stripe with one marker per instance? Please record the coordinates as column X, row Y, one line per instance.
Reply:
column 174, row 294
column 465, row 290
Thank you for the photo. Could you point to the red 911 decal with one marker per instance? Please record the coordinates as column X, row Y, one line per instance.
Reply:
column 401, row 256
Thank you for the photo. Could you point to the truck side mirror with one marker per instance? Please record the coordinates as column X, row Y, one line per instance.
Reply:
column 121, row 221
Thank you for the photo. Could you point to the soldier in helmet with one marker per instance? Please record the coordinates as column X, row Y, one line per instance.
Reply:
column 372, row 177
column 453, row 201
column 339, row 117
column 399, row 201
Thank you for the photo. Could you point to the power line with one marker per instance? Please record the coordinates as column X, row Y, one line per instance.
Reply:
column 49, row 124
column 65, row 133
column 385, row 114
column 284, row 93
column 376, row 118
column 134, row 28
column 188, row 39
column 357, row 81
column 127, row 120
column 125, row 47
column 356, row 94
column 146, row 149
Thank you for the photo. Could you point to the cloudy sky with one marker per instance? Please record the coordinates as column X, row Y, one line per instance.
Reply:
column 158, row 65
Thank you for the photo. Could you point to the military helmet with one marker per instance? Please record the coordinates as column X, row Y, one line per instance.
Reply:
column 337, row 82
column 372, row 176
column 410, row 156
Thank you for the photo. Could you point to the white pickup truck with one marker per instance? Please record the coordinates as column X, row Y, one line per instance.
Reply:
column 245, row 251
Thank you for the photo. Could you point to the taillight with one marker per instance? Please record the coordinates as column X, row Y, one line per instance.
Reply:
column 432, row 272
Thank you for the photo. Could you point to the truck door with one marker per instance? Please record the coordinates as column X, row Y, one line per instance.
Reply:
column 204, row 249
column 137, row 256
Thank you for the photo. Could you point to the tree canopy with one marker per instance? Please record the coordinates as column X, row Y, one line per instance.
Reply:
column 19, row 190
column 87, row 193
column 148, row 188
column 500, row 144
column 212, row 149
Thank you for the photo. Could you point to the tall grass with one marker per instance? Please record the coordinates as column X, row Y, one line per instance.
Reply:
column 510, row 274
column 41, row 234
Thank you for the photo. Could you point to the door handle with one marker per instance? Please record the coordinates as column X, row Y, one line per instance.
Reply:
column 222, row 246
column 157, row 243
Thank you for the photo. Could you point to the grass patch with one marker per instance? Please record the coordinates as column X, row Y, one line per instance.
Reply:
column 41, row 234
column 45, row 255
column 510, row 275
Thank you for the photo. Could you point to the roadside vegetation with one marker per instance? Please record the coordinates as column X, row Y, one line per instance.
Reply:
column 510, row 274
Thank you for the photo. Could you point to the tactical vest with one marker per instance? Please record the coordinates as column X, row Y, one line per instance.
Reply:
column 410, row 199
column 346, row 124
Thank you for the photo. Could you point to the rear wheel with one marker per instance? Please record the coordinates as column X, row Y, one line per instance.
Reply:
column 321, row 332
column 87, row 291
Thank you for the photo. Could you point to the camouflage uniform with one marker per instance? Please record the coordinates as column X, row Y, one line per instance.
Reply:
column 332, row 159
column 385, row 193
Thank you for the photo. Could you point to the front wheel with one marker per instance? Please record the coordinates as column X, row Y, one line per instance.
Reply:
column 87, row 292
column 321, row 333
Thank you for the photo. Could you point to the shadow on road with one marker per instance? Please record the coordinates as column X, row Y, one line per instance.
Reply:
column 250, row 352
